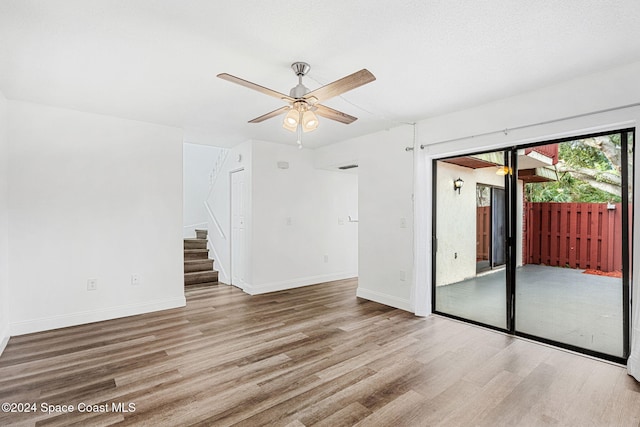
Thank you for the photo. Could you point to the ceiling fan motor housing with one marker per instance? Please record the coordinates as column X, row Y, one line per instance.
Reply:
column 301, row 69
column 299, row 91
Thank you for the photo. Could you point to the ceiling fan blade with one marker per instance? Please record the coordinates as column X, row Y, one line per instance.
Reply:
column 330, row 113
column 341, row 86
column 250, row 85
column 274, row 113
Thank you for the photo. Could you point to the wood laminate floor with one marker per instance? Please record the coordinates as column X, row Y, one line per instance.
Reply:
column 310, row 356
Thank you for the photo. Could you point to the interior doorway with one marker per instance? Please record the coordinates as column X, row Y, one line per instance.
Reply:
column 542, row 247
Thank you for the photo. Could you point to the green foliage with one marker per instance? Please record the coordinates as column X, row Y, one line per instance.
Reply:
column 568, row 190
column 575, row 154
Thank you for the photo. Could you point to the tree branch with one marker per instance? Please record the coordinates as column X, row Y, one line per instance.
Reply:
column 608, row 148
column 605, row 181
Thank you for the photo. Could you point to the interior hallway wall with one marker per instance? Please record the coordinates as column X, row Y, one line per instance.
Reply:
column 385, row 211
column 198, row 162
column 301, row 229
column 218, row 200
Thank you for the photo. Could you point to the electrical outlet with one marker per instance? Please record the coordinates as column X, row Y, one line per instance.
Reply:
column 92, row 284
column 403, row 275
column 135, row 279
column 326, row 258
column 403, row 222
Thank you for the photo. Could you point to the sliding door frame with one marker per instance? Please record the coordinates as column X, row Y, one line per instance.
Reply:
column 512, row 241
column 508, row 223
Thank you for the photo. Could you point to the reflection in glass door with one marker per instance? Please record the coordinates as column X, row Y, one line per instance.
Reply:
column 470, row 227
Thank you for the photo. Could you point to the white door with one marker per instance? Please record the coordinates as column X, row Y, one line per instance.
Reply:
column 238, row 231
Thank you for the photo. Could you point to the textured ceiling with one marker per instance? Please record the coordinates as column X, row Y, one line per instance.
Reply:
column 156, row 60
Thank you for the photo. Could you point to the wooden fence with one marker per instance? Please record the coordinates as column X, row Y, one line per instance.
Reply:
column 483, row 233
column 575, row 235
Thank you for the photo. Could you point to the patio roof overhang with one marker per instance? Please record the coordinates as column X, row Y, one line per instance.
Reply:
column 537, row 175
column 530, row 168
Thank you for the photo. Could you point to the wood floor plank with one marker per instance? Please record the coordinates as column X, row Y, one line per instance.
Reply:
column 317, row 356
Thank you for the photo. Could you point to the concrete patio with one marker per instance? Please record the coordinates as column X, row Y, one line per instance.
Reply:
column 559, row 304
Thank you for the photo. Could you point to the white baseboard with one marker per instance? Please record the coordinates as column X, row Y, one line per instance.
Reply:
column 4, row 338
column 296, row 283
column 401, row 303
column 81, row 318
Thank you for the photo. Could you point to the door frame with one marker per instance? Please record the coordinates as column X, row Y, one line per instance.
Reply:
column 626, row 249
column 509, row 309
column 242, row 284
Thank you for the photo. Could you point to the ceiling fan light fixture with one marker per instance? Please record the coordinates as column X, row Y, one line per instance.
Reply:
column 309, row 121
column 291, row 120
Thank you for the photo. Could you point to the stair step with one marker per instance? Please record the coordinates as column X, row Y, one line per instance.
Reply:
column 195, row 243
column 191, row 254
column 201, row 234
column 198, row 265
column 200, row 277
column 198, row 285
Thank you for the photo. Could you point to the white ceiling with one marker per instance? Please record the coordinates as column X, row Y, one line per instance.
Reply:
column 156, row 60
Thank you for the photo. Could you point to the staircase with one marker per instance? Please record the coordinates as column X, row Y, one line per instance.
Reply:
column 198, row 268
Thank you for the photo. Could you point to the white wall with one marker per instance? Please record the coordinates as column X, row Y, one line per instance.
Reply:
column 4, row 226
column 294, row 217
column 456, row 224
column 385, row 211
column 97, row 197
column 198, row 163
column 580, row 96
column 300, row 216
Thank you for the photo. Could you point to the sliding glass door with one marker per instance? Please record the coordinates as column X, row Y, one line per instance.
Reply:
column 535, row 241
column 572, row 286
column 471, row 225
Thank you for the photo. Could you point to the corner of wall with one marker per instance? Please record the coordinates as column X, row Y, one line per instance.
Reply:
column 384, row 298
column 4, row 227
column 4, row 337
column 297, row 283
column 386, row 222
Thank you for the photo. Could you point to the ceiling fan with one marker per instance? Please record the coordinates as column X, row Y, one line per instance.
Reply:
column 304, row 105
